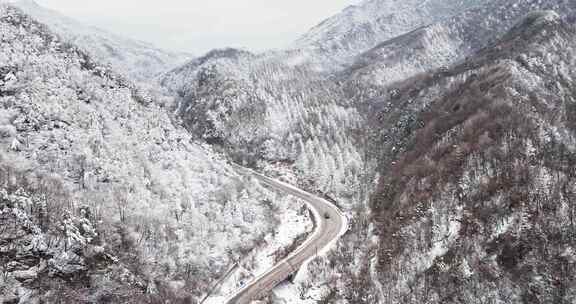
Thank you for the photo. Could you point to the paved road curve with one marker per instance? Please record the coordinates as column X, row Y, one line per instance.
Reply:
column 330, row 225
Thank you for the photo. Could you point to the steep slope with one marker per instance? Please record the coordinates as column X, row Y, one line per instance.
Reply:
column 139, row 60
column 258, row 109
column 445, row 42
column 262, row 107
column 476, row 200
column 102, row 197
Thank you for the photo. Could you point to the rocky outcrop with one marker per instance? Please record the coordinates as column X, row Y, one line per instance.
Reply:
column 34, row 251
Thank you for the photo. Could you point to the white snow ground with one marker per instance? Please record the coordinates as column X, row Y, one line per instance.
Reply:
column 294, row 223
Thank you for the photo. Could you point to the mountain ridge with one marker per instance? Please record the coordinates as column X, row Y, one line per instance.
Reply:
column 443, row 43
column 493, row 142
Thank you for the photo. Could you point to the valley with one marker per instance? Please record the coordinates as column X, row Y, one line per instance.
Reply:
column 398, row 152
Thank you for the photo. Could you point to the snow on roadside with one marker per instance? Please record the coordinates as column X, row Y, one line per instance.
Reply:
column 290, row 294
column 294, row 221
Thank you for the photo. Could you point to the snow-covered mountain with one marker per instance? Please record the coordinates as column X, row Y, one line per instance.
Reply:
column 139, row 60
column 264, row 106
column 258, row 109
column 102, row 197
column 445, row 42
column 361, row 27
column 443, row 128
column 285, row 107
column 476, row 199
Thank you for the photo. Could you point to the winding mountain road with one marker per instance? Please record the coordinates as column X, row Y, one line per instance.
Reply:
column 330, row 225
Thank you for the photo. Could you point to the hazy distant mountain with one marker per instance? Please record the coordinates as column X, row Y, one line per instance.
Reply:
column 139, row 60
column 277, row 107
column 361, row 27
column 445, row 42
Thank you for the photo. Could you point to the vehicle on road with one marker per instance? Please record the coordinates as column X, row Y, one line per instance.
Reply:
column 326, row 215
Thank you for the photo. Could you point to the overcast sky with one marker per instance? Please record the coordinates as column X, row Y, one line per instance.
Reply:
column 200, row 25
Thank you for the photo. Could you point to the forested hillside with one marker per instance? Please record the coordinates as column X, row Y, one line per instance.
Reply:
column 339, row 131
column 477, row 204
column 103, row 198
column 444, row 129
column 358, row 28
column 259, row 110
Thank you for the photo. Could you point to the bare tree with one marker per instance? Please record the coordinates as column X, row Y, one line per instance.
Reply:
column 121, row 200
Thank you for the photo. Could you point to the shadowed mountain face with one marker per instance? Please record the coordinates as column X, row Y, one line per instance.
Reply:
column 476, row 199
